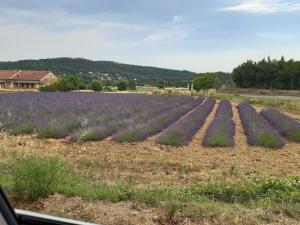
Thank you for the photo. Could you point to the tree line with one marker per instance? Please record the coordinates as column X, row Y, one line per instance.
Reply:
column 268, row 74
column 72, row 83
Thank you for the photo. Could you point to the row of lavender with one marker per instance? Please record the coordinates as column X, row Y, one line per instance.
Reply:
column 258, row 130
column 286, row 126
column 221, row 131
column 181, row 132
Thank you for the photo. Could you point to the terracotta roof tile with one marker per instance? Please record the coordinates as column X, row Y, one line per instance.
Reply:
column 6, row 74
column 22, row 75
column 30, row 75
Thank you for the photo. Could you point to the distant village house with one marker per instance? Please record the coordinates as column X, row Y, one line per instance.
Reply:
column 25, row 78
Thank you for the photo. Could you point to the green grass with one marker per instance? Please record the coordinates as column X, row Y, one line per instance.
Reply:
column 36, row 177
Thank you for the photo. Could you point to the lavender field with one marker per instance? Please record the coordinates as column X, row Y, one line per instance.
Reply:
column 80, row 117
column 90, row 116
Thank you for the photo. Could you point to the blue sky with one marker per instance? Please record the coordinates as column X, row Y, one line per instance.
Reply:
column 197, row 35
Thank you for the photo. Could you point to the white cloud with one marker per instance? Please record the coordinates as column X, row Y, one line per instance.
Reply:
column 264, row 6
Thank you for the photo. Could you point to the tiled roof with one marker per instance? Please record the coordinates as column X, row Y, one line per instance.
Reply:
column 30, row 75
column 7, row 74
column 22, row 75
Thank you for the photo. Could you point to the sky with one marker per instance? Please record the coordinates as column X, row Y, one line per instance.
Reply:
column 195, row 35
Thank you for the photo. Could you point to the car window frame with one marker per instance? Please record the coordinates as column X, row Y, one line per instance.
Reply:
column 7, row 212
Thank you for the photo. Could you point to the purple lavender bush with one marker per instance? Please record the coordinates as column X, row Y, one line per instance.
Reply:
column 123, row 124
column 221, row 131
column 140, row 131
column 287, row 126
column 184, row 129
column 258, row 131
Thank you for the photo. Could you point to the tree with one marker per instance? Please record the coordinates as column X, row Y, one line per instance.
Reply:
column 205, row 82
column 268, row 74
column 161, row 84
column 68, row 83
column 122, row 85
column 96, row 85
column 132, row 84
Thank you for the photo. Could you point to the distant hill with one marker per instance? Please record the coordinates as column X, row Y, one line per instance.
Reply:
column 76, row 65
column 88, row 70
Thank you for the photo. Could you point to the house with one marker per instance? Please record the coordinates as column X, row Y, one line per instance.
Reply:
column 25, row 78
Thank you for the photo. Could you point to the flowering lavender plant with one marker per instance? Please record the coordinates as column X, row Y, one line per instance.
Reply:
column 184, row 129
column 140, row 131
column 287, row 126
column 221, row 131
column 258, row 131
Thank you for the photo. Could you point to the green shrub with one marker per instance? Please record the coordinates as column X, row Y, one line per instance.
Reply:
column 82, row 86
column 108, row 89
column 36, row 177
column 49, row 88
